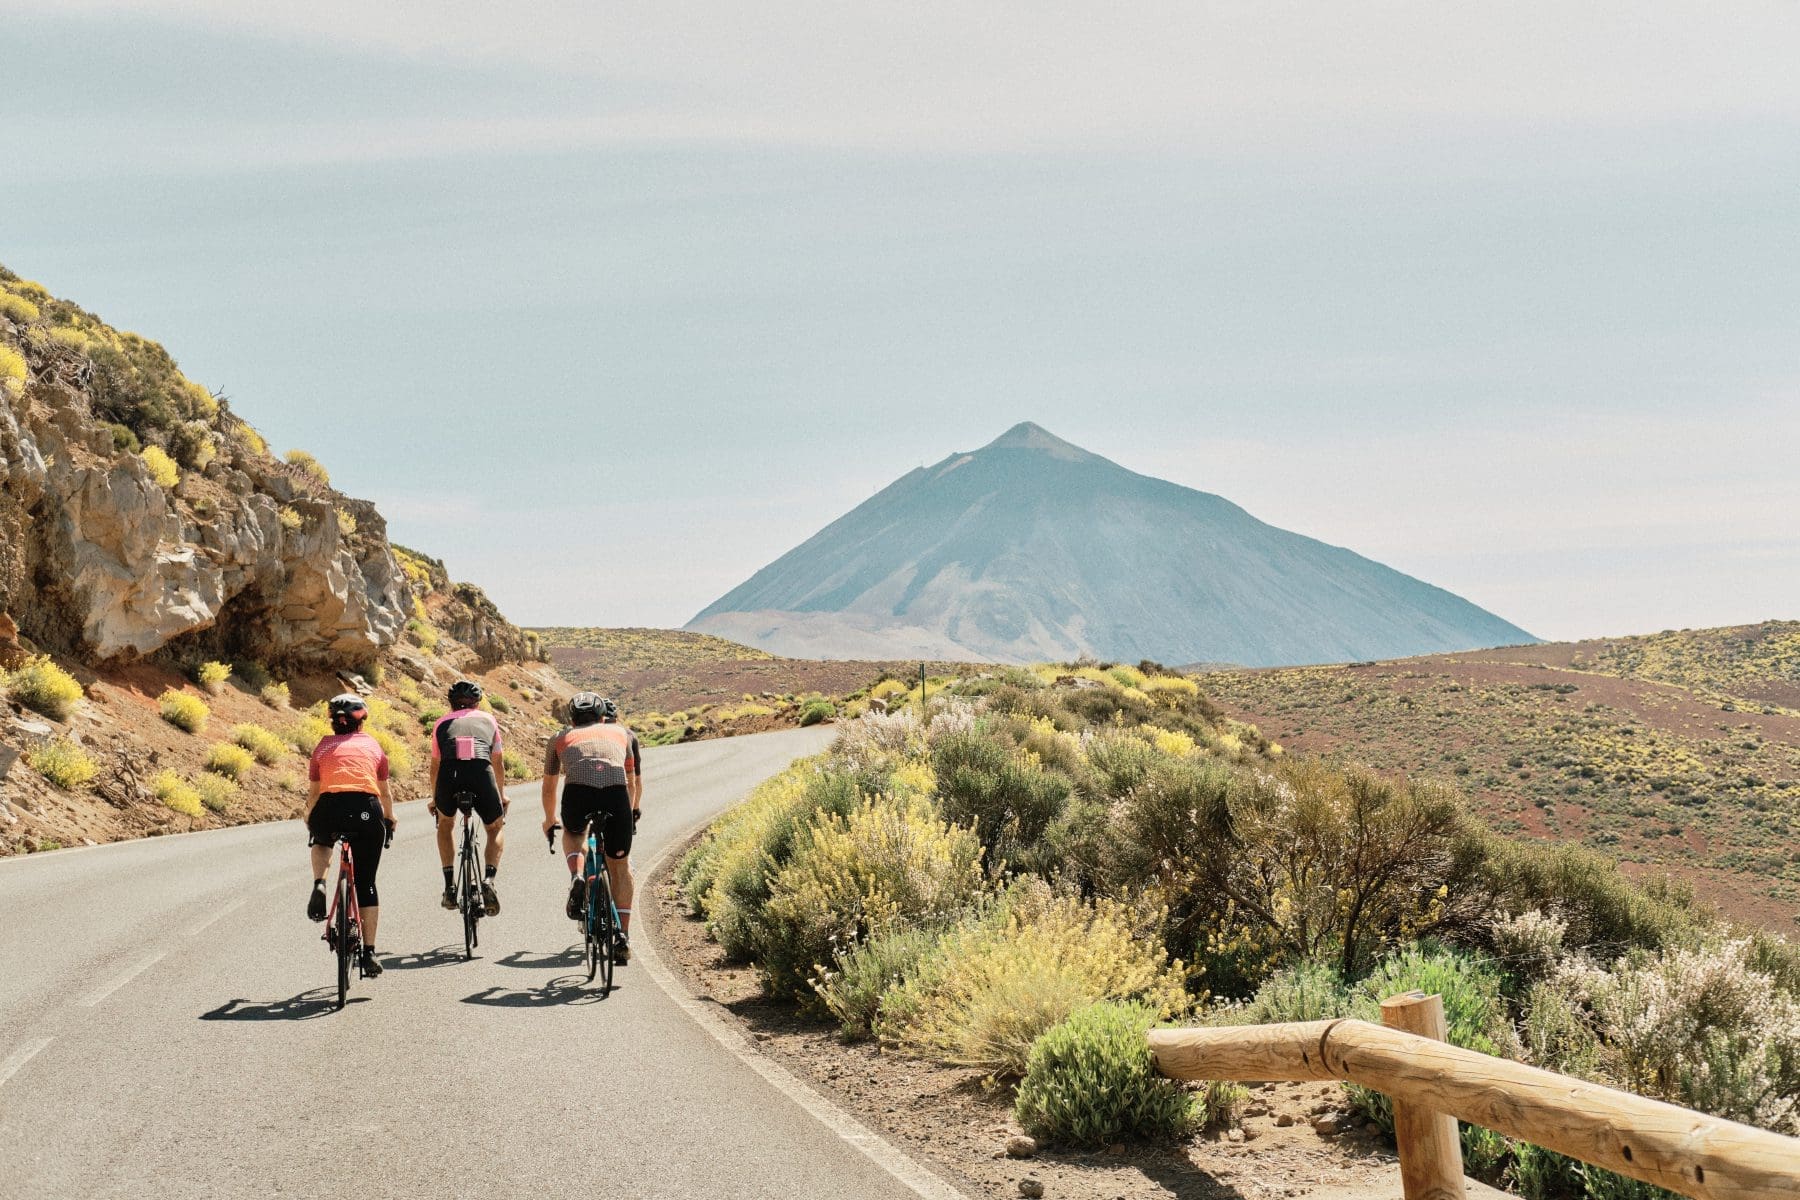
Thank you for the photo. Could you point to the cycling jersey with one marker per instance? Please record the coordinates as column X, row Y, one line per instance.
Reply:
column 597, row 756
column 466, row 735
column 348, row 762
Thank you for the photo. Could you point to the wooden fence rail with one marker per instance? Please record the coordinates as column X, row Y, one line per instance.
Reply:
column 1433, row 1084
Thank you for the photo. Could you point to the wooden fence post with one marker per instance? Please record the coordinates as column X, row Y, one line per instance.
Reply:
column 1430, row 1150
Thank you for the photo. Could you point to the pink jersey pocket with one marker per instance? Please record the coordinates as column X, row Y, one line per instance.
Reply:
column 465, row 749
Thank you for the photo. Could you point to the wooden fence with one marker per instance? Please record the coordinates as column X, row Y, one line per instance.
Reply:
column 1434, row 1085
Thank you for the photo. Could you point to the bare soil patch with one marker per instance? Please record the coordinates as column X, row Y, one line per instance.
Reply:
column 958, row 1122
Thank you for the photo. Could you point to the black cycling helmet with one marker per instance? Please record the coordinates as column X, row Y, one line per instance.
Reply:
column 609, row 711
column 585, row 708
column 465, row 693
column 347, row 712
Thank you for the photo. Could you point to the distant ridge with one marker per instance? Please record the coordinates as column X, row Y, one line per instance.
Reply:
column 1032, row 548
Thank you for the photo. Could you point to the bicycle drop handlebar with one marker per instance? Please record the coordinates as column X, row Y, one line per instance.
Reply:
column 550, row 838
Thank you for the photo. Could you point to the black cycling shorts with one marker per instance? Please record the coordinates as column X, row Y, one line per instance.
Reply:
column 473, row 779
column 357, row 814
column 611, row 808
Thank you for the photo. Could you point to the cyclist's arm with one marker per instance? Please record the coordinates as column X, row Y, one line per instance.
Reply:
column 549, row 798
column 634, row 788
column 387, row 798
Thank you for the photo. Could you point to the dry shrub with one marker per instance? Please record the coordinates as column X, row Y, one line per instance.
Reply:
column 183, row 711
column 266, row 746
column 886, row 862
column 997, row 982
column 42, row 686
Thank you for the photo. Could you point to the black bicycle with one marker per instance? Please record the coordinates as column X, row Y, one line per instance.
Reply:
column 468, row 877
column 599, row 918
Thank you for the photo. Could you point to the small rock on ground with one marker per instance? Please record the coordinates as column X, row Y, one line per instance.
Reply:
column 1020, row 1146
column 1031, row 1185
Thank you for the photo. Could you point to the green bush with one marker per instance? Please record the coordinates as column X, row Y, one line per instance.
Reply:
column 63, row 763
column 254, row 674
column 517, row 768
column 1474, row 1014
column 229, row 760
column 215, row 791
column 853, row 988
column 1089, row 1082
column 431, row 713
column 44, row 687
column 17, row 308
column 176, row 793
column 183, row 711
column 500, row 704
column 212, row 676
column 984, row 783
column 423, row 634
column 886, row 863
column 1308, row 991
column 816, row 711
column 124, row 439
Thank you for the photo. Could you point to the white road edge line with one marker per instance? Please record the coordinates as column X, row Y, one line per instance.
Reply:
column 877, row 1149
column 95, row 997
column 18, row 1058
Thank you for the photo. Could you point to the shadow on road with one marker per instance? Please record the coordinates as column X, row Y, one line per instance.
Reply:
column 562, row 958
column 317, row 1002
column 565, row 989
column 440, row 957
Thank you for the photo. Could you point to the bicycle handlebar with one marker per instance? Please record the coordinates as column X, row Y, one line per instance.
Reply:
column 550, row 838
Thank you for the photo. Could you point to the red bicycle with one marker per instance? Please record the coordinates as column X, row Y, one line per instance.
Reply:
column 343, row 921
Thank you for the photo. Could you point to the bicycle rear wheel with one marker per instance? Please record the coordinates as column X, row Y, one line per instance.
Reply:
column 342, row 938
column 604, row 931
column 469, row 894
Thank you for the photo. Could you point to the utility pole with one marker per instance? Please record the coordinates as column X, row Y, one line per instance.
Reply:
column 921, row 691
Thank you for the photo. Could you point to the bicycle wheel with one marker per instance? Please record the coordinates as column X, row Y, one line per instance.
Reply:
column 342, row 937
column 603, row 930
column 468, row 893
column 591, row 944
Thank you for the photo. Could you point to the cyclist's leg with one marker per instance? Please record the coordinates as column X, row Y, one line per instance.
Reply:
column 577, row 808
column 617, row 832
column 319, row 842
column 366, row 846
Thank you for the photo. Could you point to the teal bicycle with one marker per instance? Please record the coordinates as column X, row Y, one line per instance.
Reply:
column 599, row 917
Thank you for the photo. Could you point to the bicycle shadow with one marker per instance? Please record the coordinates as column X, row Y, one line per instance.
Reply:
column 565, row 989
column 308, row 1005
column 441, row 956
column 562, row 958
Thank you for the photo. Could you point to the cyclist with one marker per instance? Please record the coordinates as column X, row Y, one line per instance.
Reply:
column 348, row 794
column 466, row 760
column 600, row 759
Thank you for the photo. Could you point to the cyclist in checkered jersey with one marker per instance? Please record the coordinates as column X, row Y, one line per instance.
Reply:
column 466, row 761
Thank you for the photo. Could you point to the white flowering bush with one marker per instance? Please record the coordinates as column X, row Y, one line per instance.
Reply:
column 1530, row 946
column 877, row 740
column 955, row 715
column 1700, row 1028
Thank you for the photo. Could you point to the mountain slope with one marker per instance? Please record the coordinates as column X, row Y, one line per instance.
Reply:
column 1032, row 548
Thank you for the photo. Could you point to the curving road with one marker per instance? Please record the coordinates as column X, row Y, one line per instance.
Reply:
column 166, row 1030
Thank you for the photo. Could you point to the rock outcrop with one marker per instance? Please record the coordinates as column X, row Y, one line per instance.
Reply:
column 139, row 516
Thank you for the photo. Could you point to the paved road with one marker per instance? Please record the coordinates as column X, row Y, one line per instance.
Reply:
column 165, row 1030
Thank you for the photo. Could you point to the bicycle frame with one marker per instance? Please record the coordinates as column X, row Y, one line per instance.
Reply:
column 347, row 872
column 591, row 854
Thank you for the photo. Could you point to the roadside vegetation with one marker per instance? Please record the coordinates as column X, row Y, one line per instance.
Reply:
column 1028, row 872
column 1677, row 750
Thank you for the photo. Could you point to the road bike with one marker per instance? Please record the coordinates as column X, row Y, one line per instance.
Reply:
column 599, row 918
column 343, row 920
column 468, row 877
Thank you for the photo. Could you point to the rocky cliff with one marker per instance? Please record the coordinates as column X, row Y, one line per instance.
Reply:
column 140, row 517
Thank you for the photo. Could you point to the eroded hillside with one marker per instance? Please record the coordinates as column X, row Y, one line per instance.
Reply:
column 174, row 599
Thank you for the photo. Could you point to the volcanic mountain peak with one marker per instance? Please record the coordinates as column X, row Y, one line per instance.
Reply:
column 1033, row 548
column 1028, row 435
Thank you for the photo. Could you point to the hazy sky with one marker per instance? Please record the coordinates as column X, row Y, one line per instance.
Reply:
column 611, row 304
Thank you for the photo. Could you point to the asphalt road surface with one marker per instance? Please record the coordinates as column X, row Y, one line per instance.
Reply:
column 167, row 1029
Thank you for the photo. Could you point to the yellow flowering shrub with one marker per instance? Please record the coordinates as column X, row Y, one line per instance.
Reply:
column 993, row 985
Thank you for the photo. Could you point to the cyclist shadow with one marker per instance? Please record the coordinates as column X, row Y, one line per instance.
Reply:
column 565, row 989
column 563, row 958
column 440, row 957
column 308, row 1005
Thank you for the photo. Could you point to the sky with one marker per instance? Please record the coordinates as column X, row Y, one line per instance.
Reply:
column 610, row 304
